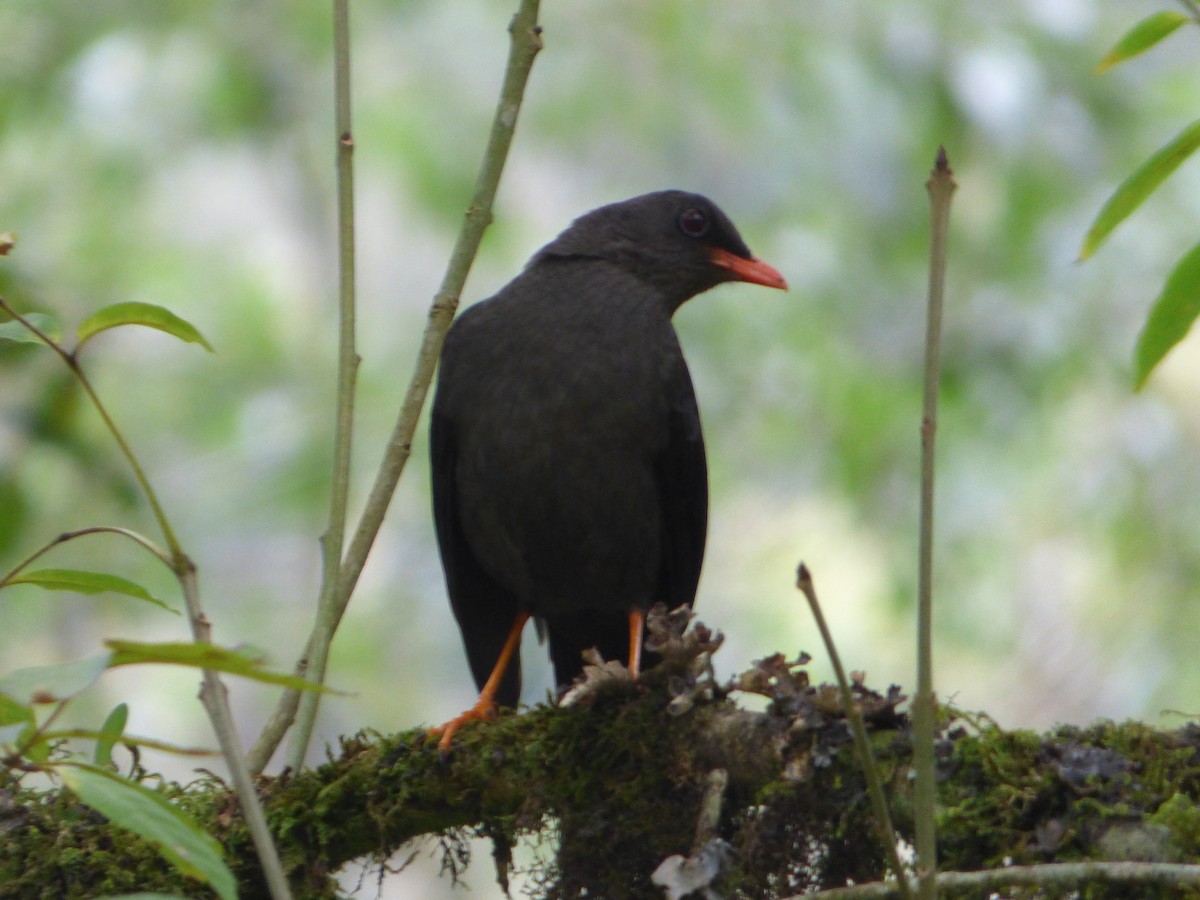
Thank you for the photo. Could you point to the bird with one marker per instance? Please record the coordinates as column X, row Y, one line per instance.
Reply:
column 568, row 469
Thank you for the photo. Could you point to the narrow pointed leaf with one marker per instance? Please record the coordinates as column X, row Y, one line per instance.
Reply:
column 83, row 582
column 1170, row 318
column 133, row 312
column 61, row 734
column 1142, row 36
column 205, row 656
column 1140, row 185
column 110, row 733
column 50, row 684
column 47, row 324
column 148, row 814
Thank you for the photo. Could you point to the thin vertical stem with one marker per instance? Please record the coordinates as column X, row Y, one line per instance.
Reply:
column 216, row 701
column 866, row 757
column 525, row 45
column 941, row 187
column 317, row 652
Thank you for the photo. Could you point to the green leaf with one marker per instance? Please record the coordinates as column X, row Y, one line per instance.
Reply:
column 51, row 684
column 1141, row 37
column 1138, row 186
column 47, row 324
column 15, row 719
column 141, row 897
column 132, row 312
column 86, row 583
column 150, row 815
column 1170, row 318
column 205, row 656
column 110, row 733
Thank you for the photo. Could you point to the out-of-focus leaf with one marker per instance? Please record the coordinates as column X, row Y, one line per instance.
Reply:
column 1170, row 318
column 150, row 815
column 8, row 240
column 50, row 684
column 110, row 733
column 84, row 582
column 205, row 656
column 1138, row 186
column 1142, row 36
column 132, row 312
column 14, row 719
column 43, row 322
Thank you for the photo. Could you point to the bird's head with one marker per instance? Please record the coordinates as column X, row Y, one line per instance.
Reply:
column 680, row 243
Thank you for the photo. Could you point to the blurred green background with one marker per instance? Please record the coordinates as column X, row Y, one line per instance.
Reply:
column 182, row 154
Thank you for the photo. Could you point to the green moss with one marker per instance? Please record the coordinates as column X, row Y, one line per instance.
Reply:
column 610, row 790
column 1180, row 815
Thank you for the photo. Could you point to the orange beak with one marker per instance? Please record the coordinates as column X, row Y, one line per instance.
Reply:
column 754, row 271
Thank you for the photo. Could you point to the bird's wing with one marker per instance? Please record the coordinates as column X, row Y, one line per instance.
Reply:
column 484, row 609
column 682, row 474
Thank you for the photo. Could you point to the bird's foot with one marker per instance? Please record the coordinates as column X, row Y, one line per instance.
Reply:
column 483, row 709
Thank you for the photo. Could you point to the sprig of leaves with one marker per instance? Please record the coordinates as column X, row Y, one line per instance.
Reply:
column 1177, row 306
column 25, row 745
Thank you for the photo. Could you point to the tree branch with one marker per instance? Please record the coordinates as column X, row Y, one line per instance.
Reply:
column 793, row 812
column 525, row 44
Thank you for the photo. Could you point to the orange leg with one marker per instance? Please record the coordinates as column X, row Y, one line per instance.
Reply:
column 637, row 619
column 485, row 706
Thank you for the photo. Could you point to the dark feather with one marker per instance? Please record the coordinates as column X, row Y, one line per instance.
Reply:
column 484, row 609
column 569, row 476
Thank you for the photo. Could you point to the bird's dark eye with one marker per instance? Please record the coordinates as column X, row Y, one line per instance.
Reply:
column 693, row 222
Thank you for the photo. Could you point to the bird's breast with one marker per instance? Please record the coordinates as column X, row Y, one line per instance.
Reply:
column 556, row 465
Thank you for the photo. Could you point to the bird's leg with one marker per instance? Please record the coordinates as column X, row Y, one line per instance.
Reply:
column 485, row 706
column 637, row 619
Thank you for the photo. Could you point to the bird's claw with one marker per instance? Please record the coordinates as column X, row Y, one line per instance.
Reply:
column 481, row 710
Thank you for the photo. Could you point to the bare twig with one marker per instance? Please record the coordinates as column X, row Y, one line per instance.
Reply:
column 216, row 701
column 317, row 654
column 941, row 187
column 709, row 820
column 526, row 42
column 866, row 758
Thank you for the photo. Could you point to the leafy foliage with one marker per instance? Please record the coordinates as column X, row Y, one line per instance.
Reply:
column 163, row 153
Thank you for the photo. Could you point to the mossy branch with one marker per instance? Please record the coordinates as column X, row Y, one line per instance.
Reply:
column 1064, row 877
column 793, row 810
